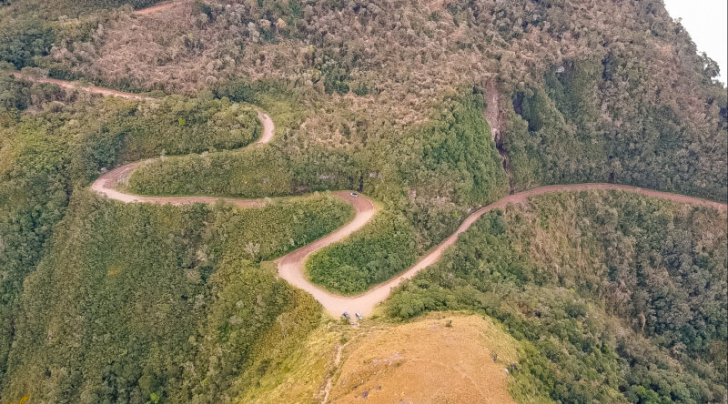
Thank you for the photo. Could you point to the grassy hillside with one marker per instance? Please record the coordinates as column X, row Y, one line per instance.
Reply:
column 53, row 142
column 622, row 297
column 168, row 303
column 412, row 362
column 417, row 362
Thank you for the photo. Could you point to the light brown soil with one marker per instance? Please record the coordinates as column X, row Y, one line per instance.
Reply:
column 428, row 362
column 159, row 7
column 74, row 86
column 492, row 110
column 291, row 266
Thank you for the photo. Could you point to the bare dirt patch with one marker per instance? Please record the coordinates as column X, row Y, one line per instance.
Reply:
column 159, row 7
column 439, row 359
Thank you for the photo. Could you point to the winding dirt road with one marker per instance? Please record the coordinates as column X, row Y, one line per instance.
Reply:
column 291, row 266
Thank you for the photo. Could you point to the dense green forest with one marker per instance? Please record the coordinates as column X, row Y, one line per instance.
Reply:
column 559, row 135
column 53, row 142
column 168, row 303
column 629, row 102
column 385, row 247
column 134, row 270
column 451, row 156
column 30, row 28
column 621, row 298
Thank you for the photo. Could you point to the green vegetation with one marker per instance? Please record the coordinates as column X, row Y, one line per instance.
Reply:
column 453, row 155
column 382, row 249
column 95, row 133
column 307, row 364
column 205, row 291
column 614, row 298
column 637, row 106
column 69, row 8
column 30, row 28
column 190, row 126
column 22, row 41
column 166, row 301
column 53, row 141
column 450, row 156
column 250, row 173
column 561, row 137
column 622, row 298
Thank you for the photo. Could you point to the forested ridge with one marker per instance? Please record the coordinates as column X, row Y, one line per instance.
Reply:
column 168, row 303
column 621, row 298
column 431, row 109
column 55, row 141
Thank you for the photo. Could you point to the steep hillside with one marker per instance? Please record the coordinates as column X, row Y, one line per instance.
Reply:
column 409, row 363
column 53, row 142
column 433, row 109
column 137, row 303
column 623, row 297
column 581, row 91
column 443, row 357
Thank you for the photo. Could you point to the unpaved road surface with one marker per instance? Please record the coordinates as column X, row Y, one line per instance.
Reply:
column 291, row 266
column 106, row 185
column 74, row 86
column 159, row 7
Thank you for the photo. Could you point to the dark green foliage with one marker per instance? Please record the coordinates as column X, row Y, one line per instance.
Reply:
column 570, row 133
column 624, row 301
column 106, row 4
column 236, row 90
column 382, row 249
column 72, row 8
column 623, row 298
column 190, row 126
column 46, row 155
column 457, row 147
column 297, row 222
column 164, row 300
column 29, row 28
column 23, row 40
column 450, row 158
column 255, row 172
column 200, row 7
column 451, row 155
column 335, row 76
column 14, row 95
column 251, row 173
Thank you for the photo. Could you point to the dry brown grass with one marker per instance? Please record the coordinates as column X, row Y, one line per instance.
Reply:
column 443, row 358
column 440, row 358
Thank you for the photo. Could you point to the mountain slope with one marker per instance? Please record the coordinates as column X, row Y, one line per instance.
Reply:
column 432, row 109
